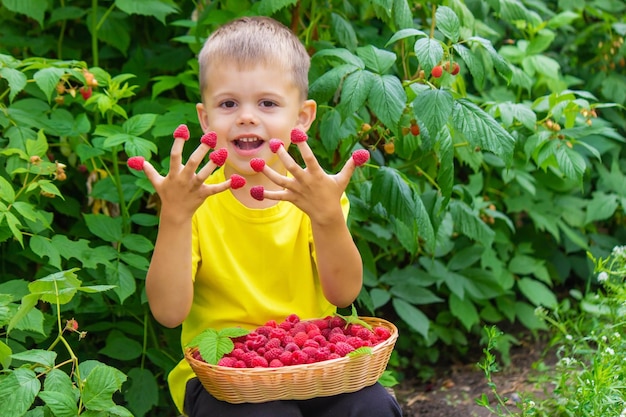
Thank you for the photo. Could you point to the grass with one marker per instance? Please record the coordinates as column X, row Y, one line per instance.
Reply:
column 589, row 337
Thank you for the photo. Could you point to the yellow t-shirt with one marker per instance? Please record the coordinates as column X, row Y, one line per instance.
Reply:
column 250, row 266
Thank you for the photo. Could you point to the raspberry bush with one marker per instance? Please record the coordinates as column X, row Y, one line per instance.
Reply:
column 502, row 176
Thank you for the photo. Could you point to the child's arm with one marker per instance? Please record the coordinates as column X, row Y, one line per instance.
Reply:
column 319, row 196
column 169, row 284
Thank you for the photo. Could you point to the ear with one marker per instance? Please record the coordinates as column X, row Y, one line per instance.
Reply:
column 306, row 115
column 202, row 117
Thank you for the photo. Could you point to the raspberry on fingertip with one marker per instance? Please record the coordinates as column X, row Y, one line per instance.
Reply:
column 136, row 162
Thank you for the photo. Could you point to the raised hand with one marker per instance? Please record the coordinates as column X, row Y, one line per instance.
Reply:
column 183, row 189
column 310, row 188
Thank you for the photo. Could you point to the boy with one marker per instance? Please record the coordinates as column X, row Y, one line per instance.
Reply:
column 226, row 258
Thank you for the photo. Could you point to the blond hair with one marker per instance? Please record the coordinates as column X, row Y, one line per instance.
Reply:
column 255, row 40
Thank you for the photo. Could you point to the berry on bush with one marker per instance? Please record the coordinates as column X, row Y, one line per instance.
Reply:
column 437, row 71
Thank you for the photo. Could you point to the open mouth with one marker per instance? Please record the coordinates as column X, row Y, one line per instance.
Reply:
column 248, row 143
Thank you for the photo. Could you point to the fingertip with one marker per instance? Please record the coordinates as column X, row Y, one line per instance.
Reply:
column 136, row 162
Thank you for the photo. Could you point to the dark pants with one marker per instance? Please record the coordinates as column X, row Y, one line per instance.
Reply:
column 373, row 401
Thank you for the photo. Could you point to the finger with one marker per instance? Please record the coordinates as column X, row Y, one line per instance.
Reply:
column 343, row 177
column 308, row 156
column 206, row 170
column 181, row 135
column 277, row 178
column 197, row 157
column 289, row 163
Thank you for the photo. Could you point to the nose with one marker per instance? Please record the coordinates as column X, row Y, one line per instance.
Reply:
column 247, row 116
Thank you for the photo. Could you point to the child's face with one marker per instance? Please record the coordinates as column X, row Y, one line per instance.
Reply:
column 247, row 107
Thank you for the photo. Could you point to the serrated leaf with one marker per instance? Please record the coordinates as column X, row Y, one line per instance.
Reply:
column 469, row 224
column 445, row 174
column 16, row 79
column 499, row 63
column 433, row 107
column 47, row 80
column 18, row 390
column 155, row 8
column 378, row 60
column 448, row 23
column 343, row 31
column 59, row 287
column 61, row 404
column 45, row 249
column 100, row 383
column 35, row 9
column 387, row 99
column 429, row 53
column 354, row 92
column 405, row 33
column 482, row 130
column 391, row 190
column 123, row 279
column 571, row 163
column 139, row 124
column 119, row 346
column 37, row 356
column 364, row 350
column 142, row 392
column 601, row 207
column 105, row 227
column 472, row 62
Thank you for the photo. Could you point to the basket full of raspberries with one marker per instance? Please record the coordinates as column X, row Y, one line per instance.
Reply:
column 294, row 359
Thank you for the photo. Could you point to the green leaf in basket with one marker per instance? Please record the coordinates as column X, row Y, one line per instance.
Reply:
column 363, row 350
column 213, row 344
column 354, row 319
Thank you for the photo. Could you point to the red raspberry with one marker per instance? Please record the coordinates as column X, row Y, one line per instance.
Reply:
column 333, row 355
column 299, row 357
column 209, row 139
column 240, row 364
column 310, row 351
column 181, row 132
column 257, row 164
column 313, row 332
column 437, row 71
column 273, row 343
column 455, row 69
column 322, row 354
column 287, row 339
column 321, row 340
column 300, row 338
column 337, row 322
column 278, row 334
column 322, row 323
column 136, row 162
column 271, row 323
column 285, row 358
column 227, row 361
column 291, row 347
column 275, row 144
column 276, row 363
column 298, row 327
column 382, row 332
column 85, row 92
column 237, row 181
column 343, row 348
column 337, row 337
column 273, row 353
column 310, row 343
column 257, row 192
column 298, row 136
column 247, row 358
column 364, row 334
column 259, row 362
column 264, row 330
column 219, row 156
column 237, row 353
column 355, row 342
column 354, row 329
column 360, row 156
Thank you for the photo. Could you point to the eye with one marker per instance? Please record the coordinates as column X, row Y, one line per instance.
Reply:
column 268, row 103
column 229, row 104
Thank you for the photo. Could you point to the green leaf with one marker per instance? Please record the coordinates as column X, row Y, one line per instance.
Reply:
column 391, row 190
column 119, row 346
column 537, row 292
column 445, row 174
column 540, row 42
column 58, row 287
column 159, row 9
column 571, row 163
column 37, row 356
column 61, row 404
column 448, row 23
column 47, row 80
column 474, row 64
column 525, row 313
column 35, row 9
column 107, row 228
column 59, row 381
column 468, row 223
column 269, row 7
column 139, row 124
column 482, row 129
column 213, row 345
column 45, row 249
column 7, row 193
column 429, row 53
column 433, row 107
column 412, row 316
column 378, row 60
column 405, row 33
column 100, row 383
column 354, row 92
column 499, row 63
column 142, row 394
column 343, row 31
column 387, row 99
column 137, row 243
column 379, row 297
column 18, row 390
column 601, row 207
column 464, row 310
column 16, row 79
column 122, row 278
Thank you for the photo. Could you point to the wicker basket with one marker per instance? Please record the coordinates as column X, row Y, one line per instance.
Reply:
column 297, row 382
